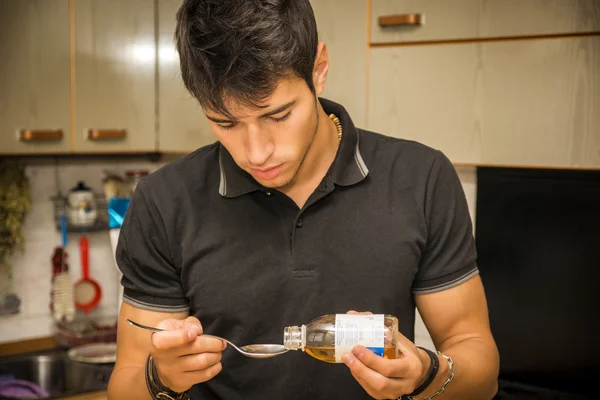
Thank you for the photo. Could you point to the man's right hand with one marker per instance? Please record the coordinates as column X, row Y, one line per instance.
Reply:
column 183, row 357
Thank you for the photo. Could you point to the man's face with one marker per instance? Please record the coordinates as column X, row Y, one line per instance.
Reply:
column 270, row 143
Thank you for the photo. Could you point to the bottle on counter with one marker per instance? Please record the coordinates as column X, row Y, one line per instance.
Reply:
column 133, row 177
column 328, row 337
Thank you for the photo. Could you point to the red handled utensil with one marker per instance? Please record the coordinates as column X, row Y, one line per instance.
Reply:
column 87, row 291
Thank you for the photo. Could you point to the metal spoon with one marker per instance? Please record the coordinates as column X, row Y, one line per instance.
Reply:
column 251, row 350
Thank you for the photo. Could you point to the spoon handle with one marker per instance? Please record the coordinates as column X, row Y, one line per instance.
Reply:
column 225, row 340
column 148, row 328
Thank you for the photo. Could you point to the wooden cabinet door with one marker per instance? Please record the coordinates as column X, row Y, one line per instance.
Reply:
column 34, row 76
column 182, row 125
column 523, row 103
column 115, row 57
column 342, row 25
column 467, row 19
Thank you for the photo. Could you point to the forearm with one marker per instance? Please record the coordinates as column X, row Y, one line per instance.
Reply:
column 476, row 364
column 128, row 383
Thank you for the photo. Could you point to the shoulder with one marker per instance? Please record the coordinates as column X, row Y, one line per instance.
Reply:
column 190, row 171
column 396, row 155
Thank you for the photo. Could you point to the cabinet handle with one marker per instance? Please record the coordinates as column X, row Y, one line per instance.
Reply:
column 106, row 134
column 402, row 20
column 40, row 135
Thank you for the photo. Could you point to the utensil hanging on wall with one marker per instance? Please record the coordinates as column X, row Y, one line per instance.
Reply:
column 87, row 291
column 62, row 287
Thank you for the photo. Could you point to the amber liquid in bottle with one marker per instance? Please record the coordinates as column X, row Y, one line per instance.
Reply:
column 318, row 337
column 327, row 354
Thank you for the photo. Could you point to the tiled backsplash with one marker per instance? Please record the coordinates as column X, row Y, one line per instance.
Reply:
column 32, row 270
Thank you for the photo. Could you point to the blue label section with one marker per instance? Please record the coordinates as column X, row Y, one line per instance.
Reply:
column 377, row 350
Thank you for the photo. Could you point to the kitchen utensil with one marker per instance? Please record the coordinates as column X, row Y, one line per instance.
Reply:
column 84, row 330
column 63, row 304
column 87, row 291
column 82, row 207
column 94, row 353
column 251, row 350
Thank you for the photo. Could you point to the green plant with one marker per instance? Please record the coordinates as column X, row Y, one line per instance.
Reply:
column 14, row 204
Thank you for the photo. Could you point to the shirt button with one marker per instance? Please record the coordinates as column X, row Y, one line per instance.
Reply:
column 299, row 223
column 268, row 193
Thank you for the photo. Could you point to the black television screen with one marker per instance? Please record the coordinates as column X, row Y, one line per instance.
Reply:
column 538, row 243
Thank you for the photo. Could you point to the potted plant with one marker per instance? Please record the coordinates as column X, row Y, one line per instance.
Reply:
column 14, row 204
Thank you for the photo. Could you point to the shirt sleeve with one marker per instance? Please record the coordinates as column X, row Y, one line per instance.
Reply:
column 150, row 280
column 450, row 254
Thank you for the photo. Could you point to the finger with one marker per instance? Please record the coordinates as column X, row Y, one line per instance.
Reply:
column 192, row 323
column 174, row 324
column 354, row 312
column 203, row 345
column 194, row 377
column 198, row 362
column 377, row 385
column 397, row 368
column 173, row 338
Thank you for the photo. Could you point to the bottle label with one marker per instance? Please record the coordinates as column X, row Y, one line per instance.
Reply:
column 366, row 330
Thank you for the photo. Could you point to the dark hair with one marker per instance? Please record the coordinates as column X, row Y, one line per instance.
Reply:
column 241, row 49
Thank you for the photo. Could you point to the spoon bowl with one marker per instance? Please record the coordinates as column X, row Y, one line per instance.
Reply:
column 251, row 350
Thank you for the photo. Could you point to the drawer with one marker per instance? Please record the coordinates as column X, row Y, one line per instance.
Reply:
column 522, row 103
column 473, row 19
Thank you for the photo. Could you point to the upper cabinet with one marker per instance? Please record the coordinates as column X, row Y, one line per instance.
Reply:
column 342, row 26
column 183, row 126
column 466, row 82
column 524, row 103
column 34, row 77
column 489, row 82
column 398, row 21
column 115, row 66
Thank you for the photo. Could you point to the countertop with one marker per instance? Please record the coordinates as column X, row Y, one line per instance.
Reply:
column 17, row 328
column 89, row 396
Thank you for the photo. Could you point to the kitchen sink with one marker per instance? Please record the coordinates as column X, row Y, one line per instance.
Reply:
column 54, row 372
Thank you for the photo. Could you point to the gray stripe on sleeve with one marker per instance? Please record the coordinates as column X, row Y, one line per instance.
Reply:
column 455, row 282
column 154, row 307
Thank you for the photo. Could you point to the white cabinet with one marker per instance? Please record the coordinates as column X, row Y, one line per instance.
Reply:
column 467, row 19
column 34, row 77
column 528, row 103
column 182, row 126
column 342, row 26
column 115, row 53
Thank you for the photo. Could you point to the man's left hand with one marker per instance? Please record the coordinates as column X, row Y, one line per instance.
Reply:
column 387, row 378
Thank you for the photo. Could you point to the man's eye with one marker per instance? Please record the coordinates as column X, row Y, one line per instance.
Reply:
column 281, row 119
column 226, row 127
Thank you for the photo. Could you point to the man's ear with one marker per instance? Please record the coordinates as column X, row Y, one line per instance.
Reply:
column 321, row 68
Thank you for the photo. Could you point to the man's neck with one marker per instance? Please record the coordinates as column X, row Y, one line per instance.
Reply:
column 318, row 160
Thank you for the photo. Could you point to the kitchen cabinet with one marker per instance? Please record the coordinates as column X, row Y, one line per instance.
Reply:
column 523, row 103
column 105, row 88
column 183, row 126
column 467, row 19
column 342, row 26
column 115, row 53
column 34, row 77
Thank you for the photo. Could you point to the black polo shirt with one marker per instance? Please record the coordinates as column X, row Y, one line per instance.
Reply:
column 388, row 221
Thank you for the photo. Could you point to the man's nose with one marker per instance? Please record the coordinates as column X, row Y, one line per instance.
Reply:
column 259, row 146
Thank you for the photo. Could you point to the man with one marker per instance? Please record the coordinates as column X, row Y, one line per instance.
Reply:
column 292, row 214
